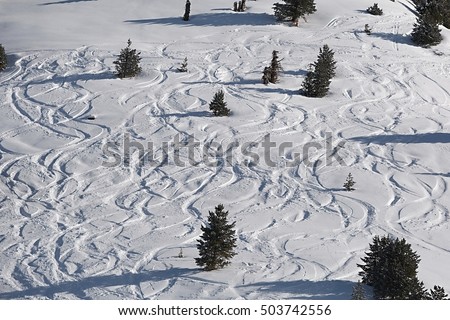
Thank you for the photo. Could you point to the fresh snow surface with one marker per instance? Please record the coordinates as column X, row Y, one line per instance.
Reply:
column 71, row 228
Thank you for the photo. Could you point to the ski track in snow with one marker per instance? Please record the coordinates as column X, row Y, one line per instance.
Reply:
column 72, row 227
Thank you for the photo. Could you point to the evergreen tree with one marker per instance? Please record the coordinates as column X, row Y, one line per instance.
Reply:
column 390, row 267
column 266, row 76
column 431, row 13
column 426, row 33
column 3, row 59
column 218, row 241
column 317, row 81
column 127, row 64
column 293, row 10
column 437, row 293
column 218, row 106
column 358, row 291
column 187, row 10
column 349, row 183
column 375, row 10
column 183, row 67
column 275, row 67
column 308, row 88
column 437, row 11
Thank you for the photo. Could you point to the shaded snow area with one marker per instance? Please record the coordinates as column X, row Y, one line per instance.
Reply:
column 81, row 217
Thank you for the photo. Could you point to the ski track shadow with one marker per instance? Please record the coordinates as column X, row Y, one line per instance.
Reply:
column 213, row 19
column 437, row 137
column 63, row 2
column 398, row 38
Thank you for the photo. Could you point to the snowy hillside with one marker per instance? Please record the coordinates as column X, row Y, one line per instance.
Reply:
column 73, row 227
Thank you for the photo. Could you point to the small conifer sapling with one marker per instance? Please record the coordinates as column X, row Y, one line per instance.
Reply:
column 183, row 67
column 266, row 76
column 349, row 183
column 127, row 64
column 437, row 293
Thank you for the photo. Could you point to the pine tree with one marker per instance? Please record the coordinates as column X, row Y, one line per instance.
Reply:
column 437, row 293
column 349, row 183
column 317, row 81
column 358, row 291
column 266, row 76
column 3, row 58
column 218, row 106
column 308, row 88
column 426, row 33
column 437, row 11
column 218, row 241
column 187, row 10
column 127, row 64
column 431, row 13
column 375, row 10
column 390, row 267
column 293, row 10
column 183, row 67
column 275, row 67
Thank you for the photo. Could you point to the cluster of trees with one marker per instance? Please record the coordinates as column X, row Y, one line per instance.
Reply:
column 431, row 14
column 317, row 80
column 390, row 268
column 426, row 32
column 3, row 58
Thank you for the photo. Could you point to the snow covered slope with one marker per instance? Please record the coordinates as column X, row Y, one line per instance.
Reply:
column 72, row 227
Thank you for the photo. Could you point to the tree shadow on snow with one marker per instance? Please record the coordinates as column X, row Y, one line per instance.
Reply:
column 437, row 137
column 296, row 72
column 394, row 37
column 186, row 115
column 76, row 77
column 79, row 287
column 304, row 289
column 301, row 289
column 213, row 19
column 63, row 2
